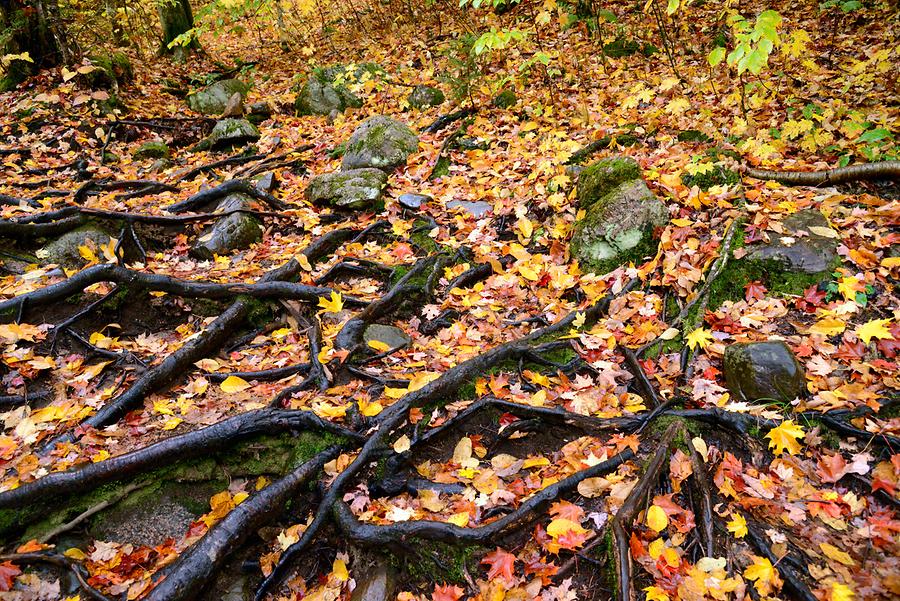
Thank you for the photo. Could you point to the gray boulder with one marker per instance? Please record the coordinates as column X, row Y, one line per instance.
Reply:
column 392, row 336
column 151, row 150
column 357, row 189
column 321, row 95
column 229, row 133
column 757, row 371
column 213, row 99
column 806, row 246
column 64, row 250
column 232, row 232
column 425, row 96
column 380, row 142
column 618, row 226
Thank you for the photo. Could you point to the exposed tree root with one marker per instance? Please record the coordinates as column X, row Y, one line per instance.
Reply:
column 393, row 418
column 212, row 338
column 185, row 446
column 622, row 522
column 446, row 120
column 840, row 175
column 703, row 506
column 196, row 566
column 233, row 186
column 138, row 280
column 792, row 581
column 62, row 562
column 370, row 534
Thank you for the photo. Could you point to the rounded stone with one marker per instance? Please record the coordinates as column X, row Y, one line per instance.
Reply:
column 413, row 202
column 380, row 142
column 763, row 371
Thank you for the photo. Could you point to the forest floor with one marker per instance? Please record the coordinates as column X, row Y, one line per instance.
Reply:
column 545, row 431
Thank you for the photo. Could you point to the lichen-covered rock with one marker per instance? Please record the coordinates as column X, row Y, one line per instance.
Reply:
column 155, row 149
column 380, row 142
column 759, row 371
column 352, row 190
column 232, row 232
column 213, row 99
column 326, row 91
column 808, row 244
column 505, row 99
column 391, row 336
column 64, row 250
column 600, row 178
column 617, row 226
column 425, row 96
column 229, row 133
column 259, row 112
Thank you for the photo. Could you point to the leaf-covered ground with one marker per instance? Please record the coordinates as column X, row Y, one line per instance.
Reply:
column 797, row 507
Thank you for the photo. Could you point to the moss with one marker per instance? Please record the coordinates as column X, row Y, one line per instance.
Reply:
column 259, row 312
column 693, row 135
column 206, row 307
column 718, row 176
column 439, row 562
column 621, row 47
column 270, row 455
column 441, row 168
column 737, row 273
column 151, row 150
column 598, row 179
column 338, row 151
column 662, row 423
column 645, row 248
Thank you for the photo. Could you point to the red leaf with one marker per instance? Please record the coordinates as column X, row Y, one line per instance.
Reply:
column 754, row 291
column 502, row 565
column 832, row 467
column 8, row 573
column 812, row 298
column 446, row 592
column 568, row 511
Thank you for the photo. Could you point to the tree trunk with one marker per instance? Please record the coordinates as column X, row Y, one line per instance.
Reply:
column 176, row 18
column 33, row 27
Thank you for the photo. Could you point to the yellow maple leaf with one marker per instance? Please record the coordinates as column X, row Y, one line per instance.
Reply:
column 877, row 328
column 88, row 254
column 460, row 519
column 738, row 526
column 379, row 345
column 339, row 570
column 762, row 572
column 402, row 444
column 784, row 437
column 233, row 384
column 841, row 592
column 657, row 518
column 654, row 593
column 333, row 305
column 836, row 554
column 561, row 526
column 699, row 337
column 828, row 327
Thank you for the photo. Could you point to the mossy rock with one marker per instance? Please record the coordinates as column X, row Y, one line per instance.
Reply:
column 110, row 70
column 229, row 133
column 213, row 99
column 717, row 176
column 391, row 336
column 618, row 227
column 808, row 244
column 151, row 150
column 380, row 142
column 326, row 90
column 763, row 371
column 232, row 232
column 64, row 250
column 770, row 271
column 354, row 190
column 600, row 178
column 425, row 96
column 505, row 99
